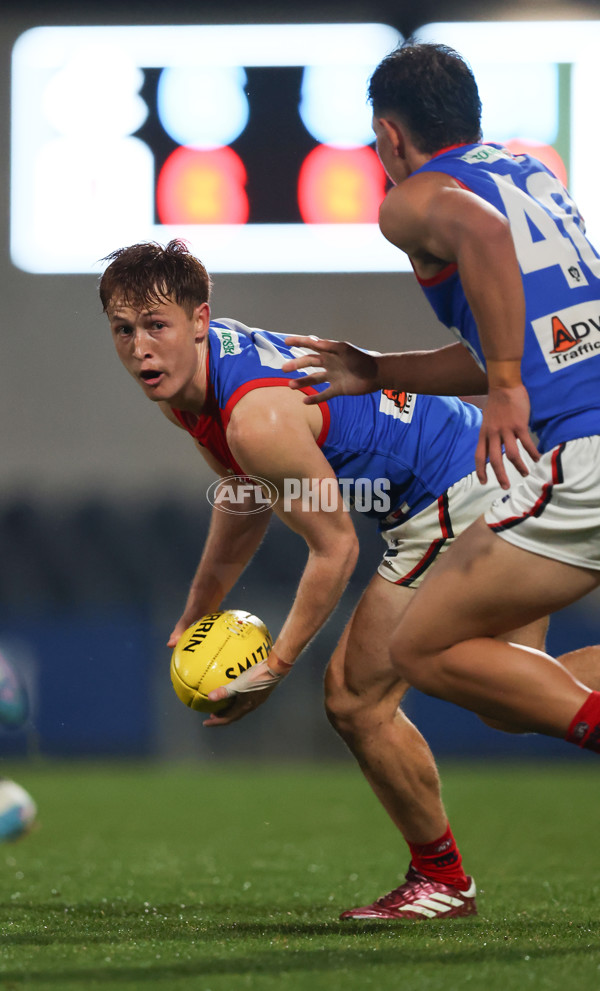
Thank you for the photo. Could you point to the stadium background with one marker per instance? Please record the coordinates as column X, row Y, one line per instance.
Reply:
column 102, row 503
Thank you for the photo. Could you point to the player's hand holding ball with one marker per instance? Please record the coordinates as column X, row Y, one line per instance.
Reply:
column 220, row 665
column 249, row 690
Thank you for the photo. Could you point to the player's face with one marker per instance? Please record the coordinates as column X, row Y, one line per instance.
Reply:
column 162, row 348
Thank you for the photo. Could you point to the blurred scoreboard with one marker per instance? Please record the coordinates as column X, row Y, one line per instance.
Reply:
column 254, row 142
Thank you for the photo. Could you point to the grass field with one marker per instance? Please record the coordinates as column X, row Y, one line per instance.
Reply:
column 221, row 879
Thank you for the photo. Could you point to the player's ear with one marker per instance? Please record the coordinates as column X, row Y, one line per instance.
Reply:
column 201, row 318
column 394, row 133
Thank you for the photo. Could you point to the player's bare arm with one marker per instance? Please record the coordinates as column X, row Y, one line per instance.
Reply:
column 448, row 371
column 274, row 439
column 281, row 445
column 437, row 222
column 232, row 541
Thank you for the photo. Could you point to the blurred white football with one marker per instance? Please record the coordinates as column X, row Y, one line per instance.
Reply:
column 17, row 810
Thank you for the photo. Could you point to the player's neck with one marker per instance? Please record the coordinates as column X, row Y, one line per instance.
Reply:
column 415, row 159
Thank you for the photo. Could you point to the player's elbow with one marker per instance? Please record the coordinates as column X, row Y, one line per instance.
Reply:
column 333, row 548
column 339, row 554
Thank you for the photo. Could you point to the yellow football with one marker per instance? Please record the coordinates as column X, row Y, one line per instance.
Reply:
column 214, row 651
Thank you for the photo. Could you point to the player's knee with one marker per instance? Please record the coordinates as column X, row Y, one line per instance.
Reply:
column 340, row 707
column 346, row 710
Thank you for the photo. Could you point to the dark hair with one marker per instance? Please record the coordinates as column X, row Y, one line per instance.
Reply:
column 433, row 91
column 147, row 274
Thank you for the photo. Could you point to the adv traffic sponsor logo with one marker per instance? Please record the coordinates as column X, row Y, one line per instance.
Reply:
column 569, row 335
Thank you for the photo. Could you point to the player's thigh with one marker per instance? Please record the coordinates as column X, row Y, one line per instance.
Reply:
column 485, row 586
column 361, row 662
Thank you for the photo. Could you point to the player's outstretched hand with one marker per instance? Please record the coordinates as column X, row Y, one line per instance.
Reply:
column 348, row 370
column 505, row 423
column 249, row 690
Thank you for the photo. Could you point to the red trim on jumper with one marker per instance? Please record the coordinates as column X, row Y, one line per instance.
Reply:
column 208, row 430
column 448, row 270
column 247, row 387
column 445, row 273
column 461, row 144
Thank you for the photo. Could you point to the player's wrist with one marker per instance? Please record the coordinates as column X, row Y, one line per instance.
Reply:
column 504, row 374
column 379, row 371
column 277, row 666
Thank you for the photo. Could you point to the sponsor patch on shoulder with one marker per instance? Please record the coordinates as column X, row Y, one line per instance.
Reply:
column 230, row 341
column 400, row 405
column 569, row 335
column 486, row 153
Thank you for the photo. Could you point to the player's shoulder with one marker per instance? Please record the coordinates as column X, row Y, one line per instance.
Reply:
column 236, row 338
column 242, row 358
column 231, row 335
column 261, row 426
column 421, row 185
column 410, row 203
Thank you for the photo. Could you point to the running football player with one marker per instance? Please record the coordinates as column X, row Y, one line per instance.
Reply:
column 500, row 250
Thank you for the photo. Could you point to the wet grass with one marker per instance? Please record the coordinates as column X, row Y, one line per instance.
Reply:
column 221, row 878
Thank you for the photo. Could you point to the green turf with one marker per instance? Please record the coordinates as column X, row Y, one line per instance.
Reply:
column 222, row 879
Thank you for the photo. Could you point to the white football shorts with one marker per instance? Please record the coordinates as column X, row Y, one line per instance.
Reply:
column 415, row 544
column 555, row 510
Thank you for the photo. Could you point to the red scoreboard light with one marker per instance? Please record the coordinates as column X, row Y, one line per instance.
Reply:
column 202, row 187
column 341, row 186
